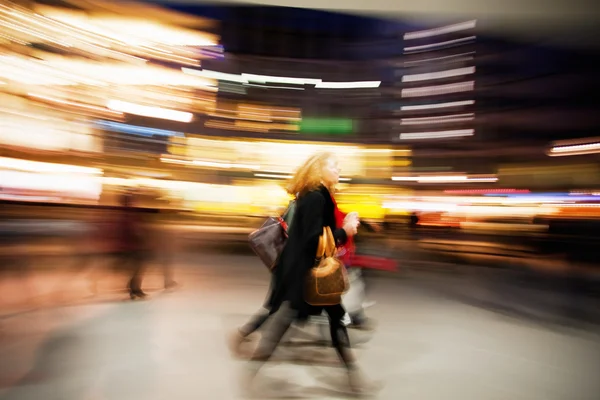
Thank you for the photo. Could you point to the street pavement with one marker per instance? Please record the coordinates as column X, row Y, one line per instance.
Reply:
column 60, row 341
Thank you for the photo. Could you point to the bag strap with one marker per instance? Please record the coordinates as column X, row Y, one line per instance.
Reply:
column 330, row 248
column 321, row 248
column 289, row 210
column 326, row 247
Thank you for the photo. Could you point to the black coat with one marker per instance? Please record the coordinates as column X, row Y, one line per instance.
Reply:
column 314, row 211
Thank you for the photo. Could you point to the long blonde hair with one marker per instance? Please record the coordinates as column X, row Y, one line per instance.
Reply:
column 309, row 175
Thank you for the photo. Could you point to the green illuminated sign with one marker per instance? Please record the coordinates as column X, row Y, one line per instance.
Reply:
column 326, row 125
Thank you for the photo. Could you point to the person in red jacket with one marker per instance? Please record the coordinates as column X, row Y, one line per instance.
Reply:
column 346, row 254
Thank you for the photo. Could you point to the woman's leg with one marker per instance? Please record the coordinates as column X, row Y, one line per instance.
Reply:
column 258, row 319
column 138, row 263
column 339, row 334
column 282, row 320
column 341, row 342
column 255, row 322
column 240, row 335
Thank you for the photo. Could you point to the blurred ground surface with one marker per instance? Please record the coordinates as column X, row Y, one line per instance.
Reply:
column 442, row 334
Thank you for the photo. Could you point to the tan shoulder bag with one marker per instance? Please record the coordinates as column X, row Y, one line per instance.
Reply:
column 328, row 279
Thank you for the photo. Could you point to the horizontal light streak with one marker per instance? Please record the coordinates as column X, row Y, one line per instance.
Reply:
column 560, row 205
column 439, row 75
column 461, row 26
column 438, row 120
column 575, row 149
column 137, row 130
column 439, row 44
column 584, row 192
column 348, row 85
column 439, row 89
column 36, row 166
column 465, row 57
column 149, row 111
column 388, row 151
column 232, row 127
column 488, row 191
column 479, row 210
column 273, row 87
column 74, row 104
column 100, row 35
column 251, row 112
column 222, row 76
column 287, row 176
column 54, row 186
column 250, row 126
column 434, row 106
column 136, row 32
column 280, row 79
column 248, row 79
column 445, row 179
column 437, row 135
column 71, row 71
column 267, row 125
column 273, row 176
column 210, row 164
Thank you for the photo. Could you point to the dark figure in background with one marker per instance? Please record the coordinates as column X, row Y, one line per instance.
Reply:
column 130, row 244
column 414, row 220
column 165, row 247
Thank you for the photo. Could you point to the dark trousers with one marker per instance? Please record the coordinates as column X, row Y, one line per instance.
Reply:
column 165, row 258
column 283, row 319
column 134, row 264
column 256, row 322
column 259, row 319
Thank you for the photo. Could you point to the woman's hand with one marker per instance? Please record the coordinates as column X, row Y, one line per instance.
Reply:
column 351, row 224
column 351, row 215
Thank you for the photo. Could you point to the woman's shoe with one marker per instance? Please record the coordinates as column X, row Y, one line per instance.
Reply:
column 234, row 342
column 171, row 285
column 360, row 322
column 137, row 294
column 360, row 385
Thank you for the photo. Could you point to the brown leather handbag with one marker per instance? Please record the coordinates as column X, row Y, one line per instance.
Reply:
column 328, row 279
column 269, row 240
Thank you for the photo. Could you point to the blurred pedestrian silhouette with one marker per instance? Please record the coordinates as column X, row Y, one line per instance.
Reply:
column 130, row 247
column 164, row 245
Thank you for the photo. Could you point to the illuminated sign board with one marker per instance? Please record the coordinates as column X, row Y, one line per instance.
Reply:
column 327, row 125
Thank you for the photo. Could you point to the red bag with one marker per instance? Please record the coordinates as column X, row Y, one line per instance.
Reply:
column 347, row 253
column 374, row 262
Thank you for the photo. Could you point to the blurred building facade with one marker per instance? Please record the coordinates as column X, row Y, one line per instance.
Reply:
column 96, row 100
